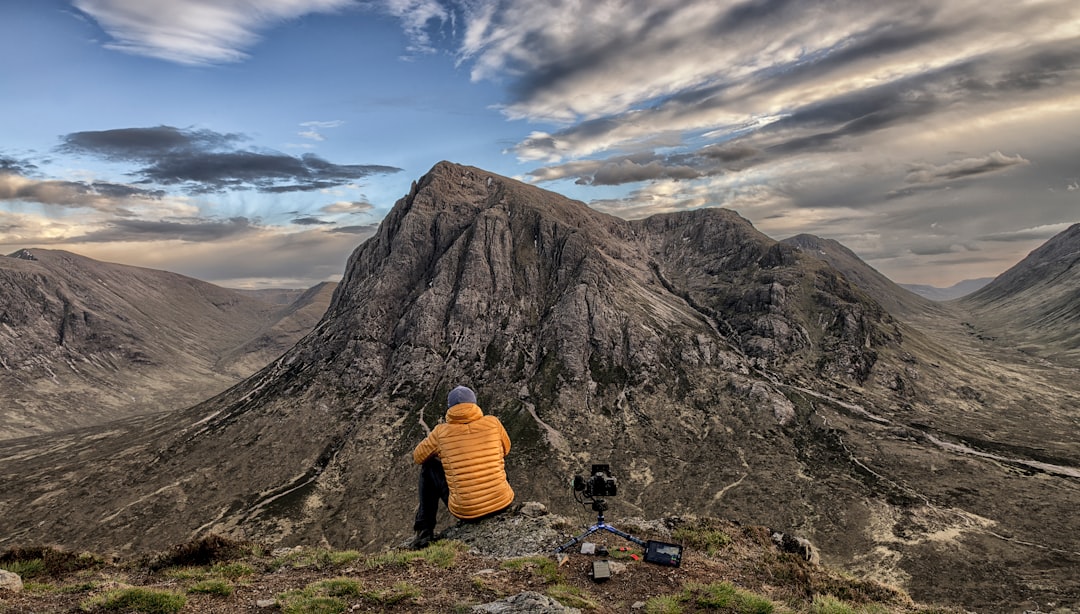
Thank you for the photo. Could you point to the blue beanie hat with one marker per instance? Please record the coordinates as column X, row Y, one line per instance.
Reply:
column 461, row 394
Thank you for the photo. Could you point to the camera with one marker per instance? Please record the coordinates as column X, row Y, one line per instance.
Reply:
column 598, row 484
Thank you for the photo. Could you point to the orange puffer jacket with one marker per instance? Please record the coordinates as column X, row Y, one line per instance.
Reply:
column 471, row 447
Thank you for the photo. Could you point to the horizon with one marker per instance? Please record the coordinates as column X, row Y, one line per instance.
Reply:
column 257, row 148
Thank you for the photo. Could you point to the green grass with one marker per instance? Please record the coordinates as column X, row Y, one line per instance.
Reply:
column 543, row 567
column 442, row 554
column 141, row 600
column 333, row 596
column 318, row 558
column 232, row 571
column 309, row 601
column 725, row 596
column 706, row 539
column 25, row 569
column 226, row 571
column 719, row 596
column 571, row 597
column 401, row 592
column 665, row 604
column 301, row 603
column 339, row 587
column 343, row 557
column 827, row 604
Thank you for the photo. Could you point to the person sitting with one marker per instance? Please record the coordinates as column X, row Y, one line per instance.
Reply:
column 461, row 464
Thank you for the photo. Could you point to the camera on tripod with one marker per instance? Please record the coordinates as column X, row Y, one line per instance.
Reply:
column 600, row 483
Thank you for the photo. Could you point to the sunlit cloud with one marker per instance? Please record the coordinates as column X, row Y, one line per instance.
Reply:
column 194, row 31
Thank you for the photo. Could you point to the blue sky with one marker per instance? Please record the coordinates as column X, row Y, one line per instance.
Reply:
column 257, row 143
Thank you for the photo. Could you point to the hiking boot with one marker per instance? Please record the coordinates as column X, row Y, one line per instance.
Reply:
column 422, row 539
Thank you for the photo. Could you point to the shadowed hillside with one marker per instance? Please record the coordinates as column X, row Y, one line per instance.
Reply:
column 1035, row 305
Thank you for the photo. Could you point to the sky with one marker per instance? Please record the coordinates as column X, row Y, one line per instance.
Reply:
column 257, row 143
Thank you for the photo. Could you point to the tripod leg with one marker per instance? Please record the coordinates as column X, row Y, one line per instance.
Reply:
column 637, row 541
column 592, row 529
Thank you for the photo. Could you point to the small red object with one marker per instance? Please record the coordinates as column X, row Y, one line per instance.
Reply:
column 635, row 557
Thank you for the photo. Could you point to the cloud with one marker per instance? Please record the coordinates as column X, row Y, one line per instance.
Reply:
column 195, row 229
column 1040, row 233
column 194, row 32
column 311, row 221
column 16, row 166
column 204, row 161
column 966, row 167
column 312, row 131
column 102, row 196
column 365, row 229
column 419, row 18
column 352, row 207
column 146, row 144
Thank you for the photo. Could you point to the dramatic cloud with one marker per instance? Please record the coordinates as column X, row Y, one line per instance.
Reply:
column 194, row 31
column 201, row 161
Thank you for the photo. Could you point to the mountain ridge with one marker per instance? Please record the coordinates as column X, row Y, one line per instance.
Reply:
column 86, row 341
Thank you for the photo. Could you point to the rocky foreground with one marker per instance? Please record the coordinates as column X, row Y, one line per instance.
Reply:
column 504, row 564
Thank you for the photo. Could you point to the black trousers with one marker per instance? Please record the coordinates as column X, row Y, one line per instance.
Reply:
column 432, row 489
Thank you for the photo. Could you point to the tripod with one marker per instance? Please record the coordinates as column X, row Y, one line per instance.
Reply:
column 599, row 505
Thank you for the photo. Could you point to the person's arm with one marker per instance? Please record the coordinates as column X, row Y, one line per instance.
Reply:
column 505, row 438
column 426, row 449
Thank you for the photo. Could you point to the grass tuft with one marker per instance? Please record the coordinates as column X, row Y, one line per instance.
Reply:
column 703, row 537
column 339, row 587
column 571, row 597
column 141, row 600
column 543, row 567
column 45, row 561
column 442, row 554
column 663, row 604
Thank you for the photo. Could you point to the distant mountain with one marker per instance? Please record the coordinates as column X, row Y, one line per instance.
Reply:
column 277, row 296
column 718, row 372
column 83, row 341
column 955, row 291
column 896, row 299
column 1036, row 303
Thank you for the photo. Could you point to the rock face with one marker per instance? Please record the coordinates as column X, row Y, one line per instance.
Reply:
column 717, row 371
column 84, row 342
column 894, row 298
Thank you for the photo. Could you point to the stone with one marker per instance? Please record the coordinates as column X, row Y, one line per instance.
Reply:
column 10, row 581
column 528, row 602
